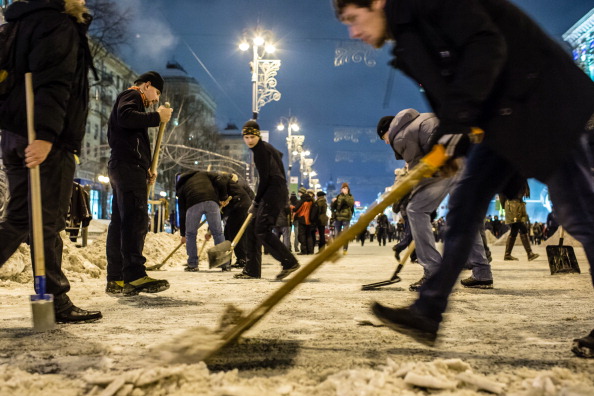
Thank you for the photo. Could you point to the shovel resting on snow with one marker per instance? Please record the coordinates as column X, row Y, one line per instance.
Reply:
column 395, row 278
column 221, row 254
column 562, row 258
column 42, row 304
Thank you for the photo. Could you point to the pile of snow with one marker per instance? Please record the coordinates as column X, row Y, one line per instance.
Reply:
column 440, row 377
column 90, row 261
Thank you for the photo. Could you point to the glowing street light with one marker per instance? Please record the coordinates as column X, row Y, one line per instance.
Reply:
column 263, row 70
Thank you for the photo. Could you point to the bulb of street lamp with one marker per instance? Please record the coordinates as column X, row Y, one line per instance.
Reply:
column 258, row 40
column 244, row 46
column 280, row 127
column 295, row 152
column 271, row 49
column 306, row 153
column 294, row 127
column 313, row 173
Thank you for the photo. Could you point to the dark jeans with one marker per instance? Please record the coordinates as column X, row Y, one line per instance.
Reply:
column 571, row 189
column 406, row 237
column 515, row 227
column 306, row 238
column 57, row 173
column 321, row 235
column 129, row 222
column 271, row 204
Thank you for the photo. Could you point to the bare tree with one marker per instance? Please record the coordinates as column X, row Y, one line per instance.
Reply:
column 108, row 29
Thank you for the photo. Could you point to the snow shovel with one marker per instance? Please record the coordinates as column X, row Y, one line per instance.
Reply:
column 426, row 167
column 395, row 278
column 42, row 304
column 562, row 258
column 162, row 263
column 221, row 254
column 157, row 150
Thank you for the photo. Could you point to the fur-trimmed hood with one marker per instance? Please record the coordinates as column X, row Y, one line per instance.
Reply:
column 74, row 8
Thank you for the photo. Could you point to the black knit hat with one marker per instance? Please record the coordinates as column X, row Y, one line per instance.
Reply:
column 250, row 128
column 152, row 76
column 321, row 193
column 384, row 125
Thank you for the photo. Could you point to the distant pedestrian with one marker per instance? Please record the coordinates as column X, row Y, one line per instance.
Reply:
column 344, row 206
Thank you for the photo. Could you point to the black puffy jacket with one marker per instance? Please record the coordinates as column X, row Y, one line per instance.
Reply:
column 52, row 46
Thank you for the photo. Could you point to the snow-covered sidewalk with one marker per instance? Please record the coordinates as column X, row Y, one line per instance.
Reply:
column 514, row 339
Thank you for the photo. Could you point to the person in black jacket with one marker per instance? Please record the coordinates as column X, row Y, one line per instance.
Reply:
column 304, row 226
column 129, row 174
column 61, row 89
column 271, row 196
column 200, row 193
column 486, row 64
column 234, row 215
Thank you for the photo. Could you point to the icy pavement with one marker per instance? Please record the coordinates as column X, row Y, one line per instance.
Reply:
column 514, row 339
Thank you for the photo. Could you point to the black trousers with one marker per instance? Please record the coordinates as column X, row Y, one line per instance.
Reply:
column 321, row 235
column 306, row 234
column 57, row 173
column 249, row 247
column 129, row 222
column 233, row 223
column 273, row 201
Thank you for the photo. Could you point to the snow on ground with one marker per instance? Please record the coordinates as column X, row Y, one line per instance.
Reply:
column 513, row 340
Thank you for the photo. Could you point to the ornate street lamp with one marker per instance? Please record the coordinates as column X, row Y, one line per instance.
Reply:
column 292, row 126
column 263, row 70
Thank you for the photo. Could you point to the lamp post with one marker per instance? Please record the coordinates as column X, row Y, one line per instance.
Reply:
column 263, row 70
column 104, row 180
column 291, row 125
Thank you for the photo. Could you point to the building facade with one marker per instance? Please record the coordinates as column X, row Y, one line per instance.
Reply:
column 581, row 39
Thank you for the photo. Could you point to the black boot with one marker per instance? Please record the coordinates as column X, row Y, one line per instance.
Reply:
column 509, row 245
column 526, row 243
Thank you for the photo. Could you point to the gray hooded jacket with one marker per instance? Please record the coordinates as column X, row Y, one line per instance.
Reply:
column 409, row 135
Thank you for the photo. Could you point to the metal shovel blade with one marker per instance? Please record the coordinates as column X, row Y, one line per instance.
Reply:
column 372, row 286
column 219, row 254
column 42, row 308
column 562, row 260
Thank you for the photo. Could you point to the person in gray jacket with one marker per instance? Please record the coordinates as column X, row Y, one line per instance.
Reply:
column 409, row 133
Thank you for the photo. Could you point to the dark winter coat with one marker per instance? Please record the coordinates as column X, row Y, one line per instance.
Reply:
column 54, row 47
column 485, row 63
column 242, row 196
column 322, row 211
column 271, row 171
column 344, row 206
column 302, row 209
column 195, row 187
column 127, row 131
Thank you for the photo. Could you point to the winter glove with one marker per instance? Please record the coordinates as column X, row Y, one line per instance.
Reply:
column 253, row 208
column 456, row 139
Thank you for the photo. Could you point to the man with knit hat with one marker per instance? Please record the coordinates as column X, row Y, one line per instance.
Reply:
column 271, row 197
column 129, row 174
column 409, row 134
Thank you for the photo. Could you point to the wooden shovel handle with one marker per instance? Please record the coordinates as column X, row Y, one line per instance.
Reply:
column 35, row 186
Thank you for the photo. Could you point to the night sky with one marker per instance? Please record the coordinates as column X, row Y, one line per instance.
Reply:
column 325, row 98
